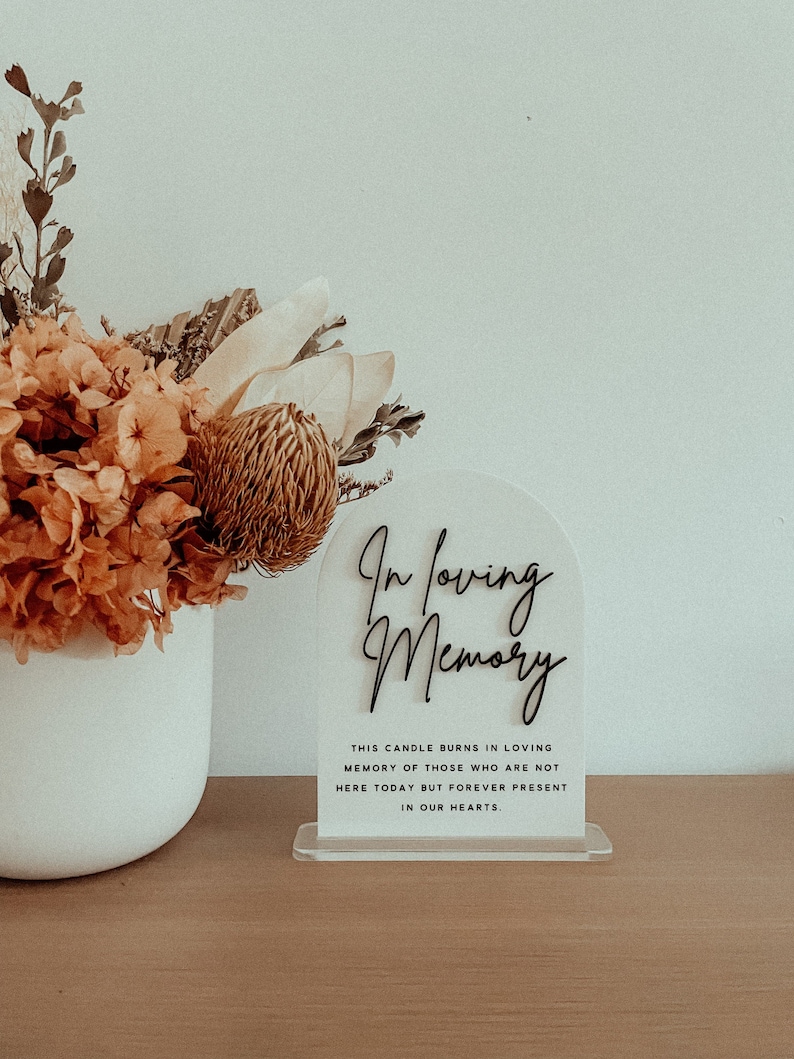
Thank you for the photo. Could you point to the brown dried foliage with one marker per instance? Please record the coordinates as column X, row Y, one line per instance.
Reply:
column 37, row 273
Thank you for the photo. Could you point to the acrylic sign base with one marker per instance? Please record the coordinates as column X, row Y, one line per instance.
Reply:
column 308, row 846
column 450, row 646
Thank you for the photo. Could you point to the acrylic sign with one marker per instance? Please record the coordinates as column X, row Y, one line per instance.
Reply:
column 451, row 666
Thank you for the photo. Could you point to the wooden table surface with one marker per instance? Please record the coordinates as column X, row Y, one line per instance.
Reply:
column 220, row 945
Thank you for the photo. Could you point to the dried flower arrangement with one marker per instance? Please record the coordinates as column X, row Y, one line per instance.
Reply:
column 139, row 472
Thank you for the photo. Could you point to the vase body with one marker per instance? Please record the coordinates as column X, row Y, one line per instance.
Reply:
column 102, row 759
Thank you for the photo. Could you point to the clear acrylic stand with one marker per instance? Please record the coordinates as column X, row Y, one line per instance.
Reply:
column 593, row 846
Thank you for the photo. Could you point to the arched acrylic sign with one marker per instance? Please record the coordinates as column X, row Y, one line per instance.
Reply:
column 450, row 618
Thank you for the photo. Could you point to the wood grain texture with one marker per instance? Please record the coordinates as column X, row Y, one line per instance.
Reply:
column 221, row 946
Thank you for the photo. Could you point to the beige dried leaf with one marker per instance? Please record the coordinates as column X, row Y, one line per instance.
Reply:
column 322, row 386
column 268, row 341
column 372, row 376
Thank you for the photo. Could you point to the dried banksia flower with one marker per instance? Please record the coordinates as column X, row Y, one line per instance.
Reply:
column 266, row 484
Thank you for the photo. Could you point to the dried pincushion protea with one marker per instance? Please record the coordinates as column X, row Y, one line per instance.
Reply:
column 266, row 483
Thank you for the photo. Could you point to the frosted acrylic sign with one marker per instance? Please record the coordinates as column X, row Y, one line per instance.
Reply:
column 450, row 615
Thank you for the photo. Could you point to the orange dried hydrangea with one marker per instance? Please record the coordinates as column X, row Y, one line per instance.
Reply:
column 96, row 519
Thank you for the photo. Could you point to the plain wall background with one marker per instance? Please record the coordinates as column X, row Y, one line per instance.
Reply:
column 595, row 303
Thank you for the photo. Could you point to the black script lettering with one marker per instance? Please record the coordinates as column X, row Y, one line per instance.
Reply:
column 366, row 563
column 463, row 578
column 384, row 652
column 441, row 538
column 380, row 644
column 383, row 533
column 532, row 701
column 519, row 615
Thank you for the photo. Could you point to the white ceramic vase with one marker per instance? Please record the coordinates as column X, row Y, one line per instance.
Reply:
column 102, row 759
